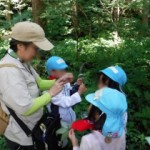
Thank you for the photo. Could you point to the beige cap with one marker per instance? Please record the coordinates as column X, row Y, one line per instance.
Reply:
column 31, row 32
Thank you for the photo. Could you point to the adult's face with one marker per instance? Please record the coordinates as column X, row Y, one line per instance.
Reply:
column 27, row 52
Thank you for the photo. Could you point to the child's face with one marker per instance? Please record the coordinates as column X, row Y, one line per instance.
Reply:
column 100, row 83
column 57, row 73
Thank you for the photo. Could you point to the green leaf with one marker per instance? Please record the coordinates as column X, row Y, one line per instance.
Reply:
column 148, row 139
column 64, row 124
column 64, row 136
column 61, row 131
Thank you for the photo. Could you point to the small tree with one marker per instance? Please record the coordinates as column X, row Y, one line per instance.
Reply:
column 37, row 7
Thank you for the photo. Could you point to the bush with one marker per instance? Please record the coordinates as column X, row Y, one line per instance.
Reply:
column 88, row 43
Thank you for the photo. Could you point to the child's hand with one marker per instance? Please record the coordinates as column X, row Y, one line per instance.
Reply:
column 82, row 89
column 73, row 138
column 79, row 81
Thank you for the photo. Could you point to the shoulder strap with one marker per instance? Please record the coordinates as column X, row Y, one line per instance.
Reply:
column 54, row 109
column 8, row 65
column 23, row 126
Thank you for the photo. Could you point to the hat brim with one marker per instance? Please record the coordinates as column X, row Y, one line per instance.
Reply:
column 90, row 99
column 63, row 67
column 44, row 44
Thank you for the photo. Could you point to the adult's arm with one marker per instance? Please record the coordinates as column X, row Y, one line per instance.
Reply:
column 47, row 84
column 38, row 103
column 15, row 93
column 44, row 84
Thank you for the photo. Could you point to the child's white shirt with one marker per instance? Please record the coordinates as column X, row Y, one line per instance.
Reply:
column 65, row 102
column 95, row 141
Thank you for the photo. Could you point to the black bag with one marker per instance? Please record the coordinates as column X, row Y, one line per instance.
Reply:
column 44, row 133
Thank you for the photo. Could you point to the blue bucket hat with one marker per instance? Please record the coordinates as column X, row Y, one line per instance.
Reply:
column 55, row 63
column 116, row 73
column 113, row 103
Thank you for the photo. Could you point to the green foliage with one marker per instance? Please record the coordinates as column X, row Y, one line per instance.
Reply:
column 87, row 37
column 63, row 131
column 12, row 12
column 3, row 144
column 134, row 57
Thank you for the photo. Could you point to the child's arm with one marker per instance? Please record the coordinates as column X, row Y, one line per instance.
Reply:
column 68, row 101
column 83, row 145
column 84, row 142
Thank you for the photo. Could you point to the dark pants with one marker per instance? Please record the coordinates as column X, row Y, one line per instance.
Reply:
column 15, row 146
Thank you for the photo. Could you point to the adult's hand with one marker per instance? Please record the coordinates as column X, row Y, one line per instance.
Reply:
column 68, row 77
column 56, row 88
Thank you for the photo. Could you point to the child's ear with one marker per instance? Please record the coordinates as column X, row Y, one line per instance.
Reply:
column 107, row 82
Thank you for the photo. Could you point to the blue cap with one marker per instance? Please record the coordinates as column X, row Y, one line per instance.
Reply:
column 116, row 73
column 55, row 63
column 114, row 104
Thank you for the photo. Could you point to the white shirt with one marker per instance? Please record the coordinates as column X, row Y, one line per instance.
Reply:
column 95, row 141
column 65, row 102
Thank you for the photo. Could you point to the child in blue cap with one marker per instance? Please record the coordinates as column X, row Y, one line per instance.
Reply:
column 68, row 97
column 106, row 113
column 114, row 77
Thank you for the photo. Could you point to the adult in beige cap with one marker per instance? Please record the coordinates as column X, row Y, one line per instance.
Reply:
column 20, row 85
column 31, row 32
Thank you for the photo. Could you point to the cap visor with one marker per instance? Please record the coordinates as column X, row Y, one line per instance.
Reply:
column 44, row 45
column 91, row 100
column 63, row 67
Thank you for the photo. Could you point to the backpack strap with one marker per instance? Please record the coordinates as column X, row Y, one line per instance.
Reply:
column 8, row 65
column 23, row 126
column 54, row 109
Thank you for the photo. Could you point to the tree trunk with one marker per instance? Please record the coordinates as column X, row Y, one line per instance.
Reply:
column 115, row 10
column 75, row 24
column 8, row 10
column 115, row 14
column 145, row 13
column 115, row 17
column 37, row 7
